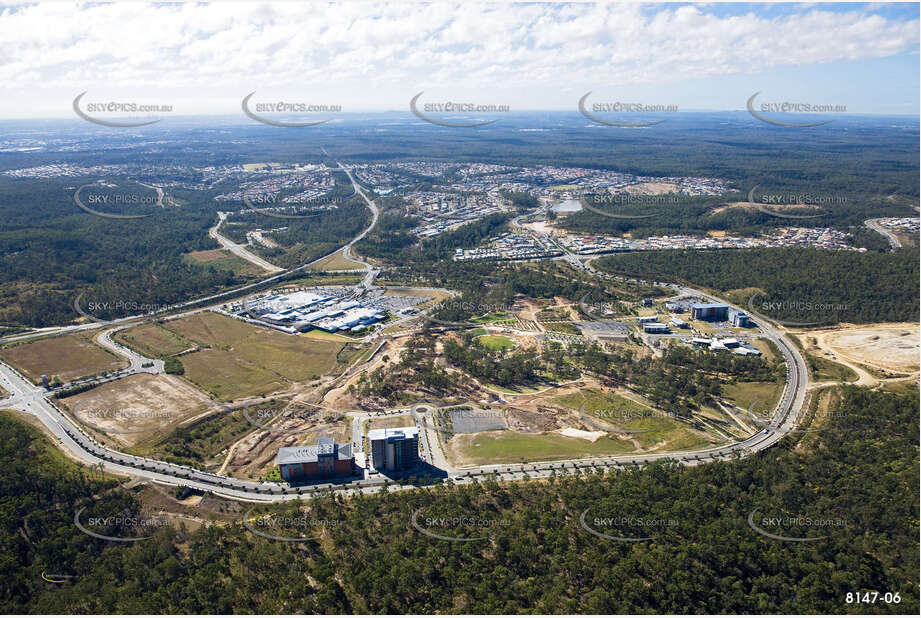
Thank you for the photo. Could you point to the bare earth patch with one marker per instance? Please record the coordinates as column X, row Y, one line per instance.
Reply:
column 890, row 346
column 652, row 188
column 753, row 206
column 137, row 407
column 254, row 455
column 542, row 227
column 591, row 436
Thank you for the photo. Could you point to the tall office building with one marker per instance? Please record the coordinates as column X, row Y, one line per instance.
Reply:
column 324, row 460
column 711, row 312
column 394, row 449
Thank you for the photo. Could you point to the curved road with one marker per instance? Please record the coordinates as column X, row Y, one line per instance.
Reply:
column 240, row 250
column 27, row 397
column 875, row 225
column 95, row 323
column 138, row 362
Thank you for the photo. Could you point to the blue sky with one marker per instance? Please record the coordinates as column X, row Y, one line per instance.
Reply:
column 892, row 10
column 204, row 58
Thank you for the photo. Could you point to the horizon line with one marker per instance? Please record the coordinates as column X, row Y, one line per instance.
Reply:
column 340, row 114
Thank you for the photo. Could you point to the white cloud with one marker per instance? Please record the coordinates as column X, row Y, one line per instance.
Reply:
column 360, row 50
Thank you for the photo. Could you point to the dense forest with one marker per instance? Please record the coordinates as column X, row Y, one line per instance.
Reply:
column 860, row 472
column 673, row 214
column 793, row 284
column 50, row 250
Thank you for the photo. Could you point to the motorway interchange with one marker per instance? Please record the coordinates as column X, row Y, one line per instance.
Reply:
column 26, row 397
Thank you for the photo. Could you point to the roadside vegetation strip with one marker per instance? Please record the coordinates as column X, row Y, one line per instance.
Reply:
column 281, row 492
column 223, row 259
column 651, row 495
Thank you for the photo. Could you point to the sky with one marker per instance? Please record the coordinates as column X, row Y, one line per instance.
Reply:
column 202, row 59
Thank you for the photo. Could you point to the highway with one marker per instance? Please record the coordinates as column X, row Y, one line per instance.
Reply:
column 240, row 250
column 874, row 225
column 231, row 293
column 26, row 397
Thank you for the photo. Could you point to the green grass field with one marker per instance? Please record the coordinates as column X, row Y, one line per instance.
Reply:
column 602, row 404
column 326, row 279
column 493, row 318
column 222, row 259
column 657, row 430
column 768, row 349
column 518, row 390
column 228, row 377
column 496, row 342
column 336, row 261
column 322, row 335
column 702, row 326
column 512, row 447
column 745, row 394
column 152, row 340
column 239, row 359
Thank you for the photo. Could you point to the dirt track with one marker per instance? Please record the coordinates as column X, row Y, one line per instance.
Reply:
column 893, row 347
column 887, row 347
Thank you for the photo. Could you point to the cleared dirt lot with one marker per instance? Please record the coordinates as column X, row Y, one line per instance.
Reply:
column 254, row 455
column 894, row 347
column 138, row 407
column 67, row 357
column 652, row 188
column 390, row 422
column 754, row 206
